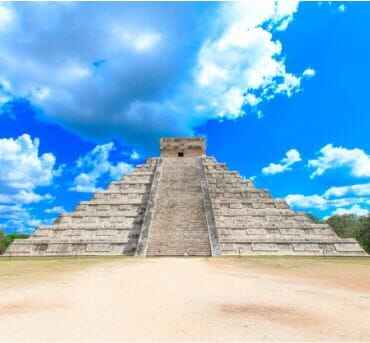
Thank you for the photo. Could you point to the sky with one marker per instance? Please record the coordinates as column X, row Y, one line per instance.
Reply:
column 278, row 89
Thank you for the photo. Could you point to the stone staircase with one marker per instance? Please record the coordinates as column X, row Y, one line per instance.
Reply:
column 179, row 224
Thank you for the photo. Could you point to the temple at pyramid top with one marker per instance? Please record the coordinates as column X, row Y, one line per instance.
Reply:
column 182, row 146
column 184, row 203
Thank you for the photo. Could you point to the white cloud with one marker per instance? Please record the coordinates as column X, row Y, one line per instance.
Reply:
column 134, row 155
column 23, row 197
column 73, row 71
column 352, row 199
column 309, row 72
column 356, row 210
column 117, row 67
column 55, row 210
column 290, row 86
column 7, row 17
column 252, row 178
column 243, row 65
column 306, row 201
column 292, row 156
column 342, row 8
column 84, row 183
column 34, row 222
column 5, row 85
column 331, row 157
column 95, row 165
column 349, row 199
column 22, row 168
column 17, row 218
column 140, row 42
column 320, row 202
column 5, row 92
column 357, row 190
column 22, row 171
column 251, row 99
column 146, row 41
column 40, row 93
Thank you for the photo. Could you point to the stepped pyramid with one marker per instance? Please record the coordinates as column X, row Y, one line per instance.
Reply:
column 183, row 203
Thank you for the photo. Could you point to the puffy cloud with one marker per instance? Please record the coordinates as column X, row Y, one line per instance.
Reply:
column 22, row 169
column 292, row 156
column 92, row 68
column 331, row 157
column 55, row 210
column 352, row 199
column 342, row 8
column 243, row 65
column 306, row 201
column 309, row 72
column 17, row 218
column 357, row 190
column 140, row 42
column 320, row 202
column 355, row 209
column 94, row 166
column 23, row 197
column 116, row 68
column 134, row 155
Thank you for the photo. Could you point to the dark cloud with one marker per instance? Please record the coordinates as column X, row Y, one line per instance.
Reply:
column 106, row 64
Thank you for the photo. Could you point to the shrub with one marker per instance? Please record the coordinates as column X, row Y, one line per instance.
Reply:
column 2, row 242
column 6, row 240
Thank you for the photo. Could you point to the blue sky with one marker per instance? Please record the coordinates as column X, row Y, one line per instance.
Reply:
column 279, row 89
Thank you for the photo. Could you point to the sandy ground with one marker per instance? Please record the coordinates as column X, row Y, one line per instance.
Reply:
column 185, row 299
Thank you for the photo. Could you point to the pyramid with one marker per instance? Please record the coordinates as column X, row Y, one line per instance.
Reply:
column 183, row 203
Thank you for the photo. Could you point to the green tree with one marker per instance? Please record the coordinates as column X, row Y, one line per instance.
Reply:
column 6, row 240
column 2, row 242
column 351, row 226
column 346, row 226
column 363, row 236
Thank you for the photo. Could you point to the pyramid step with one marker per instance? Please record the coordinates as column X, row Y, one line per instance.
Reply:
column 183, row 204
column 108, row 224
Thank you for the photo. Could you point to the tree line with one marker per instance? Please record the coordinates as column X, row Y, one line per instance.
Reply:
column 350, row 226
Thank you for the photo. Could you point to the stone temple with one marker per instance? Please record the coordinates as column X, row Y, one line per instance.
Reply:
column 183, row 203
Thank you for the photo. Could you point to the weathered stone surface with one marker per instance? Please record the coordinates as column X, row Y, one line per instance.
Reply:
column 250, row 222
column 108, row 224
column 183, row 203
column 182, row 147
column 179, row 224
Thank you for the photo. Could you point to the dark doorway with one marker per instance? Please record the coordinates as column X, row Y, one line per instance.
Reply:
column 180, row 154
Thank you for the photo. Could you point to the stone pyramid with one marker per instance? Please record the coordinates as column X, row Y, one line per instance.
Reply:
column 183, row 203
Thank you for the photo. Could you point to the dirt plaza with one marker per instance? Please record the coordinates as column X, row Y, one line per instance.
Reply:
column 184, row 299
